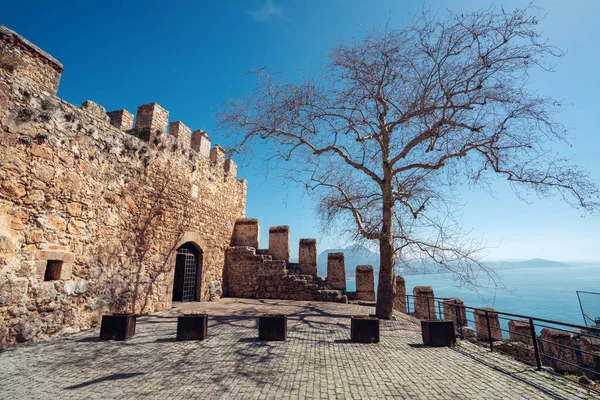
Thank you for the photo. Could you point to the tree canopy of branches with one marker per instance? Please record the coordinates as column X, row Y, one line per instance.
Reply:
column 398, row 119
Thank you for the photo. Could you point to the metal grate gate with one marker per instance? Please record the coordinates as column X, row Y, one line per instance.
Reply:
column 189, row 274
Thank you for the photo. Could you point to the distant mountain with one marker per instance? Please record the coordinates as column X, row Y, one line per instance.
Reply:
column 533, row 263
column 353, row 255
column 359, row 255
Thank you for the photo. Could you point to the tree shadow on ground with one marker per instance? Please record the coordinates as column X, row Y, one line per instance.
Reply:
column 513, row 374
column 113, row 377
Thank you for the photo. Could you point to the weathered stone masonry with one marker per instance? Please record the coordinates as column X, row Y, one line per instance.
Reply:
column 92, row 210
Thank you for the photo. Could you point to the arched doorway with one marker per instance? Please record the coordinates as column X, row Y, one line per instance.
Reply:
column 188, row 273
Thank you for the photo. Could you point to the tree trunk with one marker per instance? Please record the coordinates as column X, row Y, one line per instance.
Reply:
column 387, row 275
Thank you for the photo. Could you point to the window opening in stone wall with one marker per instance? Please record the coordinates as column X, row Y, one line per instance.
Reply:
column 53, row 270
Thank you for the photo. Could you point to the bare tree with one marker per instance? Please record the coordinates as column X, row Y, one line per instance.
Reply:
column 397, row 120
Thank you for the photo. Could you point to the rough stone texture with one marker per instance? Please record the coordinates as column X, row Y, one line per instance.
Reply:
column 518, row 350
column 424, row 301
column 28, row 63
column 259, row 276
column 454, row 310
column 201, row 143
column 336, row 271
column 152, row 116
column 217, row 155
column 553, row 342
column 365, row 283
column 279, row 243
column 246, row 232
column 317, row 361
column 590, row 353
column 76, row 189
column 307, row 256
column 520, row 331
column 121, row 119
column 95, row 110
column 400, row 297
column 183, row 134
column 230, row 168
column 481, row 321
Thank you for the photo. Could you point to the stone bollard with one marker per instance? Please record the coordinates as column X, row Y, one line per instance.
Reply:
column 520, row 331
column 365, row 283
column 400, row 297
column 279, row 243
column 553, row 344
column 336, row 271
column 424, row 302
column 454, row 309
column 590, row 354
column 246, row 232
column 481, row 324
column 307, row 257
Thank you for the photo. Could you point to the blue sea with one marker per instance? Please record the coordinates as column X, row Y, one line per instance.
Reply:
column 548, row 293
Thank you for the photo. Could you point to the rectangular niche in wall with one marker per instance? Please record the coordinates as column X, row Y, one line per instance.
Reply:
column 53, row 270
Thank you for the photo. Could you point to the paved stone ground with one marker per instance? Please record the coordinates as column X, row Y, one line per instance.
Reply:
column 317, row 361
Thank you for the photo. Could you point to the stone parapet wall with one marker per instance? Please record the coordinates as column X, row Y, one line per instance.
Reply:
column 487, row 322
column 246, row 232
column 365, row 283
column 258, row 276
column 78, row 190
column 400, row 296
column 424, row 302
column 279, row 242
column 454, row 310
column 307, row 256
column 336, row 271
column 27, row 62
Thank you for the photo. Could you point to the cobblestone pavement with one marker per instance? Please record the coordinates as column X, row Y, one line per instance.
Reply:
column 317, row 361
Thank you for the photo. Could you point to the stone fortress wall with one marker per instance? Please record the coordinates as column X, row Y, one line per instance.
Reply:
column 93, row 208
column 257, row 273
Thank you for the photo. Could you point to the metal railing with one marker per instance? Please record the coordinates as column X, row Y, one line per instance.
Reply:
column 563, row 346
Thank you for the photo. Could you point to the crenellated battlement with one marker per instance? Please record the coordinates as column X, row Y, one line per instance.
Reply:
column 90, row 199
column 251, row 272
column 34, row 70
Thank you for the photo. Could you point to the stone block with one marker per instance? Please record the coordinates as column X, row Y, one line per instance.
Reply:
column 558, row 344
column 424, row 302
column 121, row 119
column 482, row 316
column 95, row 110
column 182, row 133
column 217, row 155
column 454, row 310
column 279, row 242
column 230, row 169
column 520, row 331
column 153, row 118
column 400, row 296
column 246, row 232
column 336, row 271
column 201, row 143
column 307, row 256
column 365, row 282
column 30, row 63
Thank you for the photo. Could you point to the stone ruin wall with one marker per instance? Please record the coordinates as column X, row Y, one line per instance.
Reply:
column 257, row 273
column 78, row 185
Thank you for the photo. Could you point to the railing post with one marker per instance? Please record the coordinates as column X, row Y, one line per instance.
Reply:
column 440, row 310
column 536, row 351
column 407, row 304
column 489, row 328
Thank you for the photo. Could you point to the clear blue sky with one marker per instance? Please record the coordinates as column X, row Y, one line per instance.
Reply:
column 190, row 56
